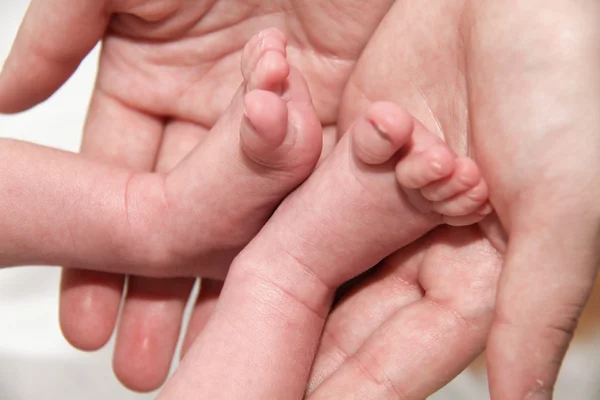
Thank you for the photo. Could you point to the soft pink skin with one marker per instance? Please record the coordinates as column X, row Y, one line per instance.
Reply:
column 411, row 325
column 52, row 201
column 349, row 214
column 404, row 331
column 548, row 198
column 111, row 219
column 525, row 333
column 153, row 102
column 265, row 144
column 522, row 80
column 529, row 339
column 267, row 139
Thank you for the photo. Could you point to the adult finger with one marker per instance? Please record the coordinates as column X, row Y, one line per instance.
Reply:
column 153, row 308
column 53, row 39
column 89, row 301
column 149, row 330
column 544, row 287
column 553, row 225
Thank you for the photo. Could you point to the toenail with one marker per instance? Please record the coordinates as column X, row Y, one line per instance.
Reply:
column 487, row 209
column 475, row 195
column 381, row 131
column 437, row 166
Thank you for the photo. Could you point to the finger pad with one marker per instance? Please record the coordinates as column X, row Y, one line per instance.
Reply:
column 89, row 305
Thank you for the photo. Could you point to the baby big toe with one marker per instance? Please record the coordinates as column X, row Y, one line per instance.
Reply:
column 264, row 127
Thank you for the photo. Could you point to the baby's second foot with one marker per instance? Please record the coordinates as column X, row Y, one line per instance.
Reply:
column 267, row 142
column 349, row 215
column 432, row 176
column 388, row 182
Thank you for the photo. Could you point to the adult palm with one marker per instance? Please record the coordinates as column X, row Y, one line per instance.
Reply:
column 517, row 87
column 514, row 84
column 167, row 71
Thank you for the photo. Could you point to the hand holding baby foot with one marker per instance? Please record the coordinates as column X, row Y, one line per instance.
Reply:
column 345, row 218
column 263, row 146
column 167, row 73
column 542, row 161
column 427, row 307
column 448, row 116
column 529, row 117
column 302, row 296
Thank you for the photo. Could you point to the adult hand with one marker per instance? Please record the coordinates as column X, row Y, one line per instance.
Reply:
column 405, row 330
column 518, row 87
column 413, row 323
column 167, row 71
column 536, row 124
column 448, row 95
column 438, row 91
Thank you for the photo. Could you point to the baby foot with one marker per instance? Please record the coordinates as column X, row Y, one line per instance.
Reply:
column 433, row 177
column 388, row 182
column 348, row 215
column 267, row 143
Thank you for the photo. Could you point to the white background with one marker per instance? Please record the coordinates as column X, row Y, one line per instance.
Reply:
column 35, row 360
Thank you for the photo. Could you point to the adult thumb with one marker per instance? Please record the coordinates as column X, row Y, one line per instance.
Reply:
column 547, row 278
